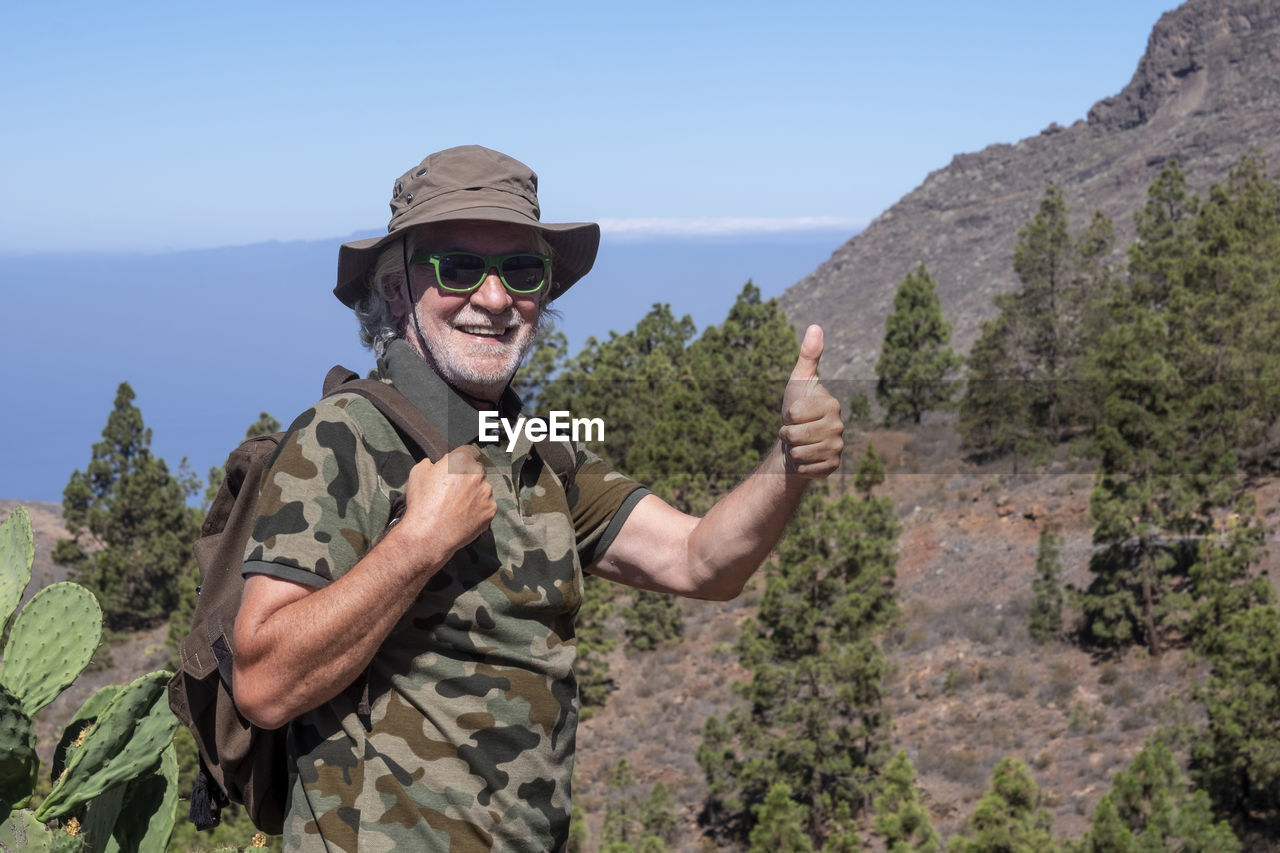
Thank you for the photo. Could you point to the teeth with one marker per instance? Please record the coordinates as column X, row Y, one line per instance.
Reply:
column 482, row 330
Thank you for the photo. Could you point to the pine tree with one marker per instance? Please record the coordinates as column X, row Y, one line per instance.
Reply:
column 899, row 817
column 842, row 832
column 724, row 809
column 1108, row 832
column 997, row 409
column 653, row 620
column 640, row 824
column 1141, row 492
column 1042, row 260
column 1150, row 807
column 132, row 529
column 859, row 416
column 743, row 366
column 633, row 383
column 1160, row 258
column 626, row 381
column 1237, row 759
column 1224, row 578
column 548, row 356
column 1225, row 325
column 1010, row 817
column 816, row 719
column 915, row 360
column 1024, row 388
column 780, row 824
column 658, row 815
column 1046, row 609
column 1187, row 375
column 618, row 822
column 594, row 643
column 870, row 472
column 1144, row 489
column 579, row 835
column 690, row 419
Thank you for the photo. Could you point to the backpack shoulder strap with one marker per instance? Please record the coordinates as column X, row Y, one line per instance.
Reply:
column 336, row 376
column 394, row 406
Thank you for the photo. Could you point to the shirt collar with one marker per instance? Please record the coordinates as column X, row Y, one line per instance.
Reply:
column 445, row 408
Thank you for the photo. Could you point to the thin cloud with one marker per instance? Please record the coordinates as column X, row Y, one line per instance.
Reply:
column 727, row 226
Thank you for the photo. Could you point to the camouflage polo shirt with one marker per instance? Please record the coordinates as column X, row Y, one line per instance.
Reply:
column 468, row 744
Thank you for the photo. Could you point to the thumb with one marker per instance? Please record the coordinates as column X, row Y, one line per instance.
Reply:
column 806, row 369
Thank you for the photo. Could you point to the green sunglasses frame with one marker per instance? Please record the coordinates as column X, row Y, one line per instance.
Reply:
column 490, row 262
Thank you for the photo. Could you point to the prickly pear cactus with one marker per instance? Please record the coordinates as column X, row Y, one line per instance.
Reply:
column 23, row 832
column 88, row 714
column 137, row 816
column 124, row 743
column 19, row 764
column 17, row 551
column 115, row 767
column 52, row 640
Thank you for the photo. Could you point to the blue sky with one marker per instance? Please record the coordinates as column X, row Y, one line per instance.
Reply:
column 161, row 125
column 688, row 130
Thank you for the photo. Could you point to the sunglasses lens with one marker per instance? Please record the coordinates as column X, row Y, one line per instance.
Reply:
column 523, row 273
column 460, row 271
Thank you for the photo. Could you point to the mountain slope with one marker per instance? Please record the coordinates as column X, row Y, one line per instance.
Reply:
column 1206, row 92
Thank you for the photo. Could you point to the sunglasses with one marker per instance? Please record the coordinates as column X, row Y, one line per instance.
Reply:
column 463, row 272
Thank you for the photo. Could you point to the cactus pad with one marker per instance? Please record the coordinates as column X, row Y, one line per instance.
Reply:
column 85, row 717
column 126, row 742
column 21, row 831
column 149, row 810
column 19, row 764
column 100, row 817
column 17, row 551
column 52, row 640
column 63, row 842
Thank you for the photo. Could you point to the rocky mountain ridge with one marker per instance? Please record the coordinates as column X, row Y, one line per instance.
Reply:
column 1206, row 92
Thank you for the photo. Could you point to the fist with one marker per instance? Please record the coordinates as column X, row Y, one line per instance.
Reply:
column 812, row 433
column 449, row 503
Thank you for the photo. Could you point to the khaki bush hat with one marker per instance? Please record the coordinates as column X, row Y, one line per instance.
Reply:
column 470, row 183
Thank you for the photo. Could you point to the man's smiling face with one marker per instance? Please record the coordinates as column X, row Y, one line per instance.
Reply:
column 475, row 340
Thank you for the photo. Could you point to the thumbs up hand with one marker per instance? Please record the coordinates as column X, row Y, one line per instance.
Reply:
column 812, row 434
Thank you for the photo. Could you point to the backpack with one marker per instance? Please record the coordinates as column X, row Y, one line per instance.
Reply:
column 240, row 762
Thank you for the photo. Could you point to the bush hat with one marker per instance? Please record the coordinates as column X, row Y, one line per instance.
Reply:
column 470, row 183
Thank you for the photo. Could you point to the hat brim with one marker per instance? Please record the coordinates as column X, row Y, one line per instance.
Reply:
column 573, row 247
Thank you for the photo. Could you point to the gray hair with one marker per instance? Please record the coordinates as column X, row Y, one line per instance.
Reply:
column 379, row 325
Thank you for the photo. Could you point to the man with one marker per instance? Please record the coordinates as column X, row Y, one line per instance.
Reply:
column 424, row 658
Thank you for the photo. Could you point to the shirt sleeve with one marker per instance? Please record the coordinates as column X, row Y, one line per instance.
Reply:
column 325, row 498
column 599, row 502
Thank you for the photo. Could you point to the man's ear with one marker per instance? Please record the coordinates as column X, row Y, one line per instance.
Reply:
column 393, row 290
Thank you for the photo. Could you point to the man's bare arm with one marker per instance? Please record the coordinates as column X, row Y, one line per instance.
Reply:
column 663, row 549
column 296, row 647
